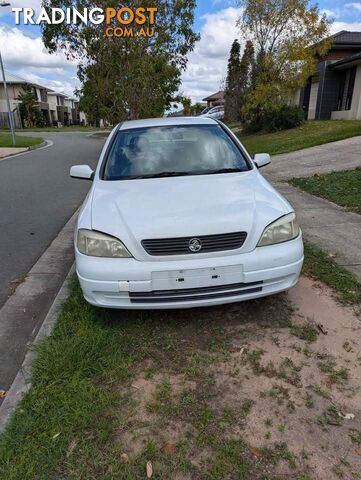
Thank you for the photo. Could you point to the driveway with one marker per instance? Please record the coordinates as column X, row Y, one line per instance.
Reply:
column 331, row 157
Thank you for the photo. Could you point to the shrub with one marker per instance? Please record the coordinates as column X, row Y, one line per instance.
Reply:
column 288, row 116
column 39, row 119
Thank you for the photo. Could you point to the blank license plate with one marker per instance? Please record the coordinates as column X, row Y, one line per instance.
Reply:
column 197, row 278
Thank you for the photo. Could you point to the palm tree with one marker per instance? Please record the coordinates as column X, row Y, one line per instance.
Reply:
column 28, row 105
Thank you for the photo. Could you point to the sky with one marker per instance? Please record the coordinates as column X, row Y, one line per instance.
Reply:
column 25, row 55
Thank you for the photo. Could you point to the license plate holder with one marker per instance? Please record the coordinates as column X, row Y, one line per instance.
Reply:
column 197, row 278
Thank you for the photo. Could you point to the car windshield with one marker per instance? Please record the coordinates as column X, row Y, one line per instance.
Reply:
column 173, row 151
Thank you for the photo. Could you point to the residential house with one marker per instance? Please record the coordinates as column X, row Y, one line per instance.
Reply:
column 215, row 99
column 69, row 104
column 53, row 103
column 80, row 116
column 77, row 117
column 14, row 85
column 58, row 108
column 334, row 91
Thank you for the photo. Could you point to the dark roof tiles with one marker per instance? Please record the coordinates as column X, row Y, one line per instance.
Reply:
column 345, row 37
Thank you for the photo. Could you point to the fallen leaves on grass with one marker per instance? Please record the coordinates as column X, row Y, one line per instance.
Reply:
column 149, row 470
column 329, row 383
column 347, row 416
column 255, row 451
column 332, row 416
column 124, row 457
column 322, row 329
column 169, row 448
column 71, row 448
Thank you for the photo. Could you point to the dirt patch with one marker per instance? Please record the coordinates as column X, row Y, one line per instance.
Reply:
column 269, row 388
column 150, row 397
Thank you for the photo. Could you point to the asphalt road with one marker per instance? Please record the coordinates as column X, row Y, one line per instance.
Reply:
column 37, row 197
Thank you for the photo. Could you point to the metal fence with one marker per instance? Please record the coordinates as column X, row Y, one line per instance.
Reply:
column 4, row 119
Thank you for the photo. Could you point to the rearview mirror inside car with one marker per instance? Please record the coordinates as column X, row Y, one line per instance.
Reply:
column 82, row 171
column 262, row 159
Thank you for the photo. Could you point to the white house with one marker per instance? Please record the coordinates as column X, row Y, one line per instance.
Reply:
column 15, row 84
column 56, row 107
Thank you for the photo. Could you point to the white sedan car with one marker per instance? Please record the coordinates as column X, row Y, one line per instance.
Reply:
column 178, row 216
column 216, row 112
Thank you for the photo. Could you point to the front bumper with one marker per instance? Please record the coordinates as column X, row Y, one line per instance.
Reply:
column 195, row 282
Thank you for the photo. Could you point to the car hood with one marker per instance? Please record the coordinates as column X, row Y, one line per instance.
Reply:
column 186, row 206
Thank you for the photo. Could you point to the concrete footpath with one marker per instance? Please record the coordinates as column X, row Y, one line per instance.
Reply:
column 328, row 226
column 323, row 223
column 330, row 157
column 7, row 152
column 23, row 313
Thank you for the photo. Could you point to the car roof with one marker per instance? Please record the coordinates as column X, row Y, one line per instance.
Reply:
column 164, row 122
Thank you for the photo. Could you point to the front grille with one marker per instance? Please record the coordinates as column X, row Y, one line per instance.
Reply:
column 180, row 246
column 189, row 294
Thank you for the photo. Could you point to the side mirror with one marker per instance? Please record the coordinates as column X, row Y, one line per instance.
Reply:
column 262, row 159
column 82, row 171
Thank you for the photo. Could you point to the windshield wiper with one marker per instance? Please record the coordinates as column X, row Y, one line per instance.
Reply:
column 182, row 174
column 163, row 174
column 226, row 170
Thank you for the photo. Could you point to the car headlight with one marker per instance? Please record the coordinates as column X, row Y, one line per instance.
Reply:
column 284, row 229
column 96, row 244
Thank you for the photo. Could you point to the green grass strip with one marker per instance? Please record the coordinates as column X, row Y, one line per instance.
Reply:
column 6, row 141
column 343, row 188
column 345, row 284
column 311, row 134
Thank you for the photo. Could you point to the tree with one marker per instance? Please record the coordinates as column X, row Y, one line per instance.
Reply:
column 288, row 35
column 189, row 109
column 29, row 105
column 197, row 108
column 187, row 105
column 115, row 89
column 233, row 90
column 240, row 79
column 126, row 77
column 247, row 68
column 247, row 76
